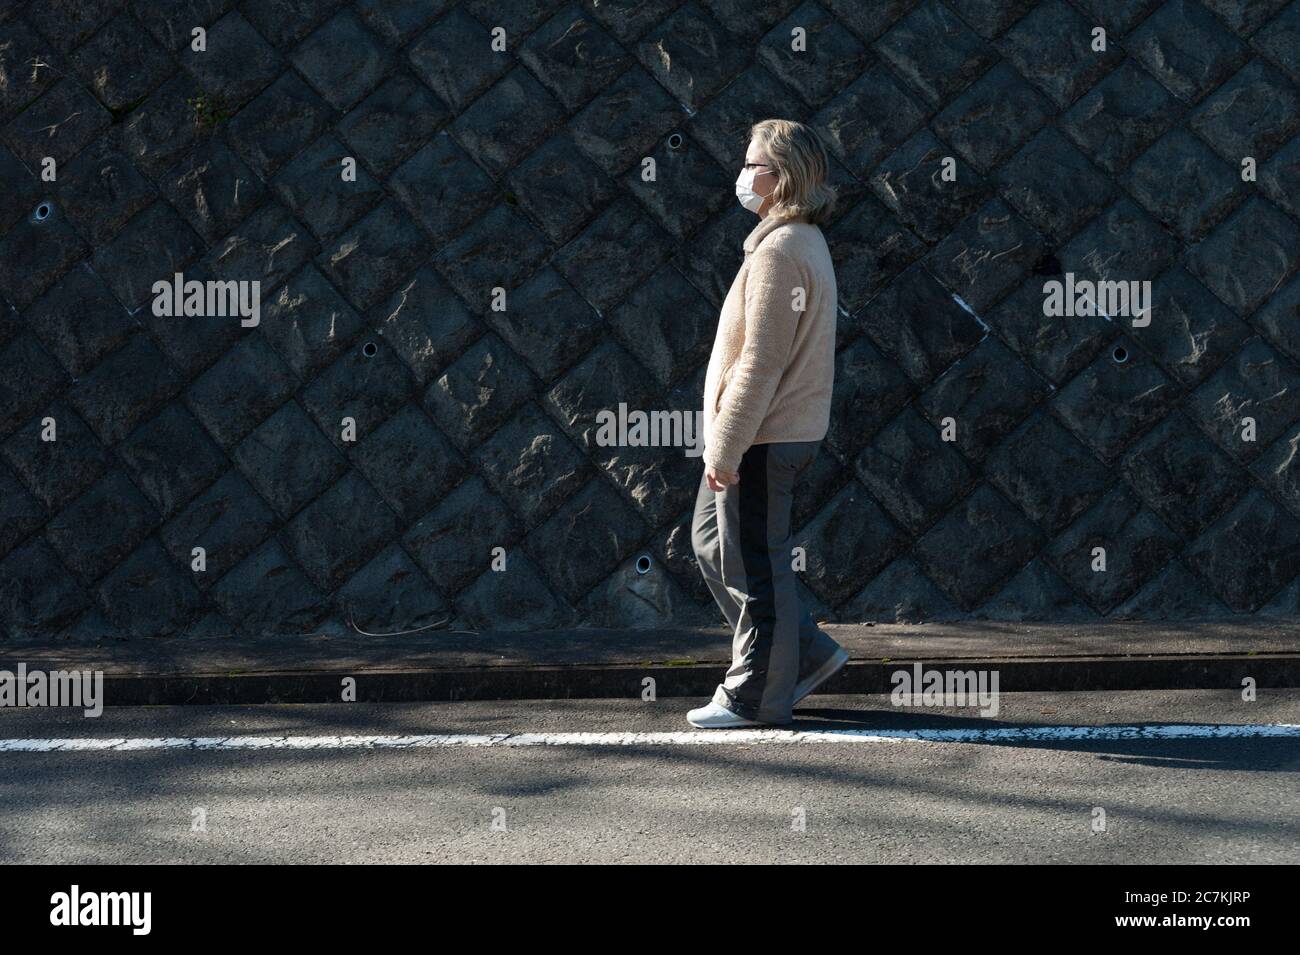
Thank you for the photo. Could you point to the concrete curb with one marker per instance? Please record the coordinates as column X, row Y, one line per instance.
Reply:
column 624, row 681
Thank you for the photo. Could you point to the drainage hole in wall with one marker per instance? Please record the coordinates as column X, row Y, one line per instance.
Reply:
column 643, row 564
column 1120, row 354
column 42, row 212
column 675, row 141
column 370, row 349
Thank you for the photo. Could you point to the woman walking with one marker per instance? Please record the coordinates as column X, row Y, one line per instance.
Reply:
column 767, row 399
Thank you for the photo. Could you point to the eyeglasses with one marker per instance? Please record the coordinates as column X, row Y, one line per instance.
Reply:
column 756, row 165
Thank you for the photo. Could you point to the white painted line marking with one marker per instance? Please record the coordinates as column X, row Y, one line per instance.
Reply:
column 1024, row 734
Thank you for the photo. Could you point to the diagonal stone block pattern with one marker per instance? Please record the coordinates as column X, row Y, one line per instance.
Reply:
column 479, row 225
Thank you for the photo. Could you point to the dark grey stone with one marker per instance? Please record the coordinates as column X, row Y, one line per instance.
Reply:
column 426, row 324
column 442, row 188
column 993, row 117
column 873, row 247
column 871, row 391
column 689, row 187
column 500, row 249
column 454, row 542
column 212, row 189
column 621, row 125
column 288, row 460
column 162, row 129
column 987, row 393
column 34, row 254
column 152, row 247
column 29, row 64
column 691, row 54
column 312, row 185
column 1249, row 256
column 100, row 190
column 853, row 535
column 240, row 390
column 900, row 593
column 532, row 465
column 283, row 119
column 988, row 253
column 517, row 598
column 1191, row 332
column 831, row 58
column 666, row 323
column 505, row 123
column 28, row 378
column 1052, row 47
column 923, row 350
column 56, row 471
column 392, row 123
column 342, row 59
column 121, row 64
column 268, row 592
column 912, row 182
column 364, row 387
column 20, row 513
column 37, row 594
column 1184, row 185
column 368, row 260
column 1120, row 116
column 1252, row 114
column 283, row 22
column 1255, row 383
column 438, row 60
column 574, row 57
column 547, row 323
column 237, row 63
column 1186, row 49
column 867, row 119
column 147, row 596
column 1137, row 546
column 1249, row 554
column 172, row 23
column 79, row 321
column 101, row 527
column 935, row 52
column 390, row 595
column 267, row 248
column 228, row 521
column 336, row 534
column 410, row 462
column 125, row 388
column 1123, row 243
column 911, row 472
column 171, row 458
column 1047, row 473
column 602, row 273
column 1056, row 347
column 986, row 524
column 585, row 539
column 1110, row 403
column 1279, row 319
column 1182, row 477
column 479, row 391
column 308, row 322
column 70, row 22
column 1054, row 186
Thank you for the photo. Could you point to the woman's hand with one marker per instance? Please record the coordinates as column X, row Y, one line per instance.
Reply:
column 719, row 480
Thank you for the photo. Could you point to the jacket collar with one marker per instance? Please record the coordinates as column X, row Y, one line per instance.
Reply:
column 764, row 226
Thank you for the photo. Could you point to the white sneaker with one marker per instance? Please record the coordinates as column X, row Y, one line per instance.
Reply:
column 714, row 716
column 822, row 674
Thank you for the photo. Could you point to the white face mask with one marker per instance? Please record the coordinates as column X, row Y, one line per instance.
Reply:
column 750, row 199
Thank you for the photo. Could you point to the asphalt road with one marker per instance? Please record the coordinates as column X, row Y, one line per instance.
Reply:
column 1187, row 800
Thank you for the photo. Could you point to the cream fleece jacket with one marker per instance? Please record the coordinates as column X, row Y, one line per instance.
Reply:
column 773, row 364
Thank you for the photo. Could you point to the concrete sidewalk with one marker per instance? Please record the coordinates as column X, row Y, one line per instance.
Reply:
column 590, row 664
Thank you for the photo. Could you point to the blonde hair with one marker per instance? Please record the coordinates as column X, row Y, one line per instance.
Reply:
column 802, row 169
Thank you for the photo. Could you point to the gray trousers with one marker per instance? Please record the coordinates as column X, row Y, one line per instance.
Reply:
column 742, row 539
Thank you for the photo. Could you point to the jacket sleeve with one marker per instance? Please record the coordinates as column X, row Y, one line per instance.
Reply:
column 770, row 323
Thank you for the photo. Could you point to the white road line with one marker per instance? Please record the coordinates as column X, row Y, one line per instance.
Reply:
column 1024, row 734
